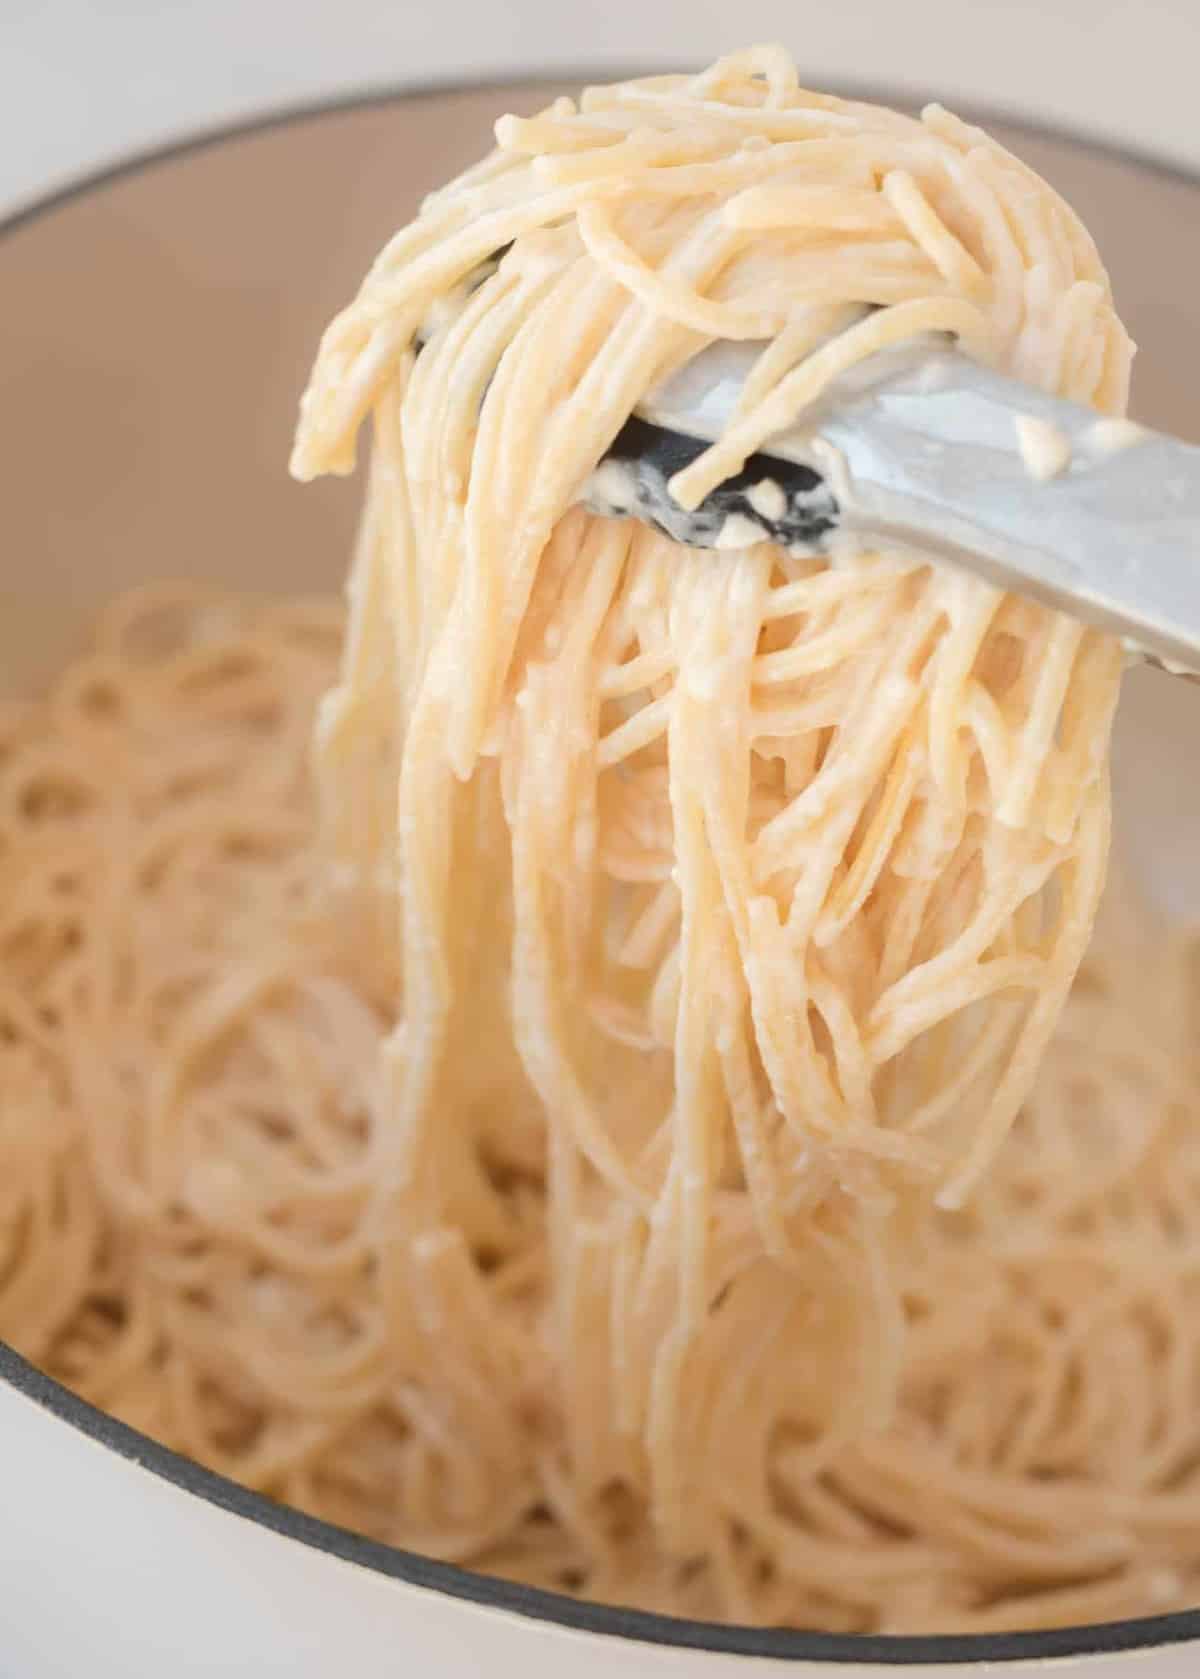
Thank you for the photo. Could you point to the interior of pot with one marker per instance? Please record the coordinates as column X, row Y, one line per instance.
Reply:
column 156, row 327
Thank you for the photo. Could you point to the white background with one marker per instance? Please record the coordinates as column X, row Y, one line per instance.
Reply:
column 84, row 80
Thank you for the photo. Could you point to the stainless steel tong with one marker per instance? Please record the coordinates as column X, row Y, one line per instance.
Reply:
column 924, row 450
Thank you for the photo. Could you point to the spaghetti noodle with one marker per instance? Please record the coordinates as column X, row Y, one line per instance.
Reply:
column 572, row 1135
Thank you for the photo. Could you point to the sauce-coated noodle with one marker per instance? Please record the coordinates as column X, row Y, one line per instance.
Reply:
column 590, row 1134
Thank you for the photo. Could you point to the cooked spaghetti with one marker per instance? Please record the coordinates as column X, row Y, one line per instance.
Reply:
column 590, row 1131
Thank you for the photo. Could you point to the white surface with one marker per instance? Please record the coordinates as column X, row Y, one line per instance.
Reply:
column 82, row 81
column 161, row 1584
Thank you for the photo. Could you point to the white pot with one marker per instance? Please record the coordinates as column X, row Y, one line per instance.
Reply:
column 155, row 329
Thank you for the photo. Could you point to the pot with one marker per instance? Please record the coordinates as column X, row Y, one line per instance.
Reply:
column 156, row 325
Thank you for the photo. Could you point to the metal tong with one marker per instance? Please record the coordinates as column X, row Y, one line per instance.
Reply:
column 923, row 450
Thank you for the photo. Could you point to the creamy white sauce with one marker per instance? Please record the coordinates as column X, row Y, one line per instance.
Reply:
column 1108, row 437
column 739, row 532
column 611, row 488
column 619, row 488
column 767, row 498
column 1045, row 450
